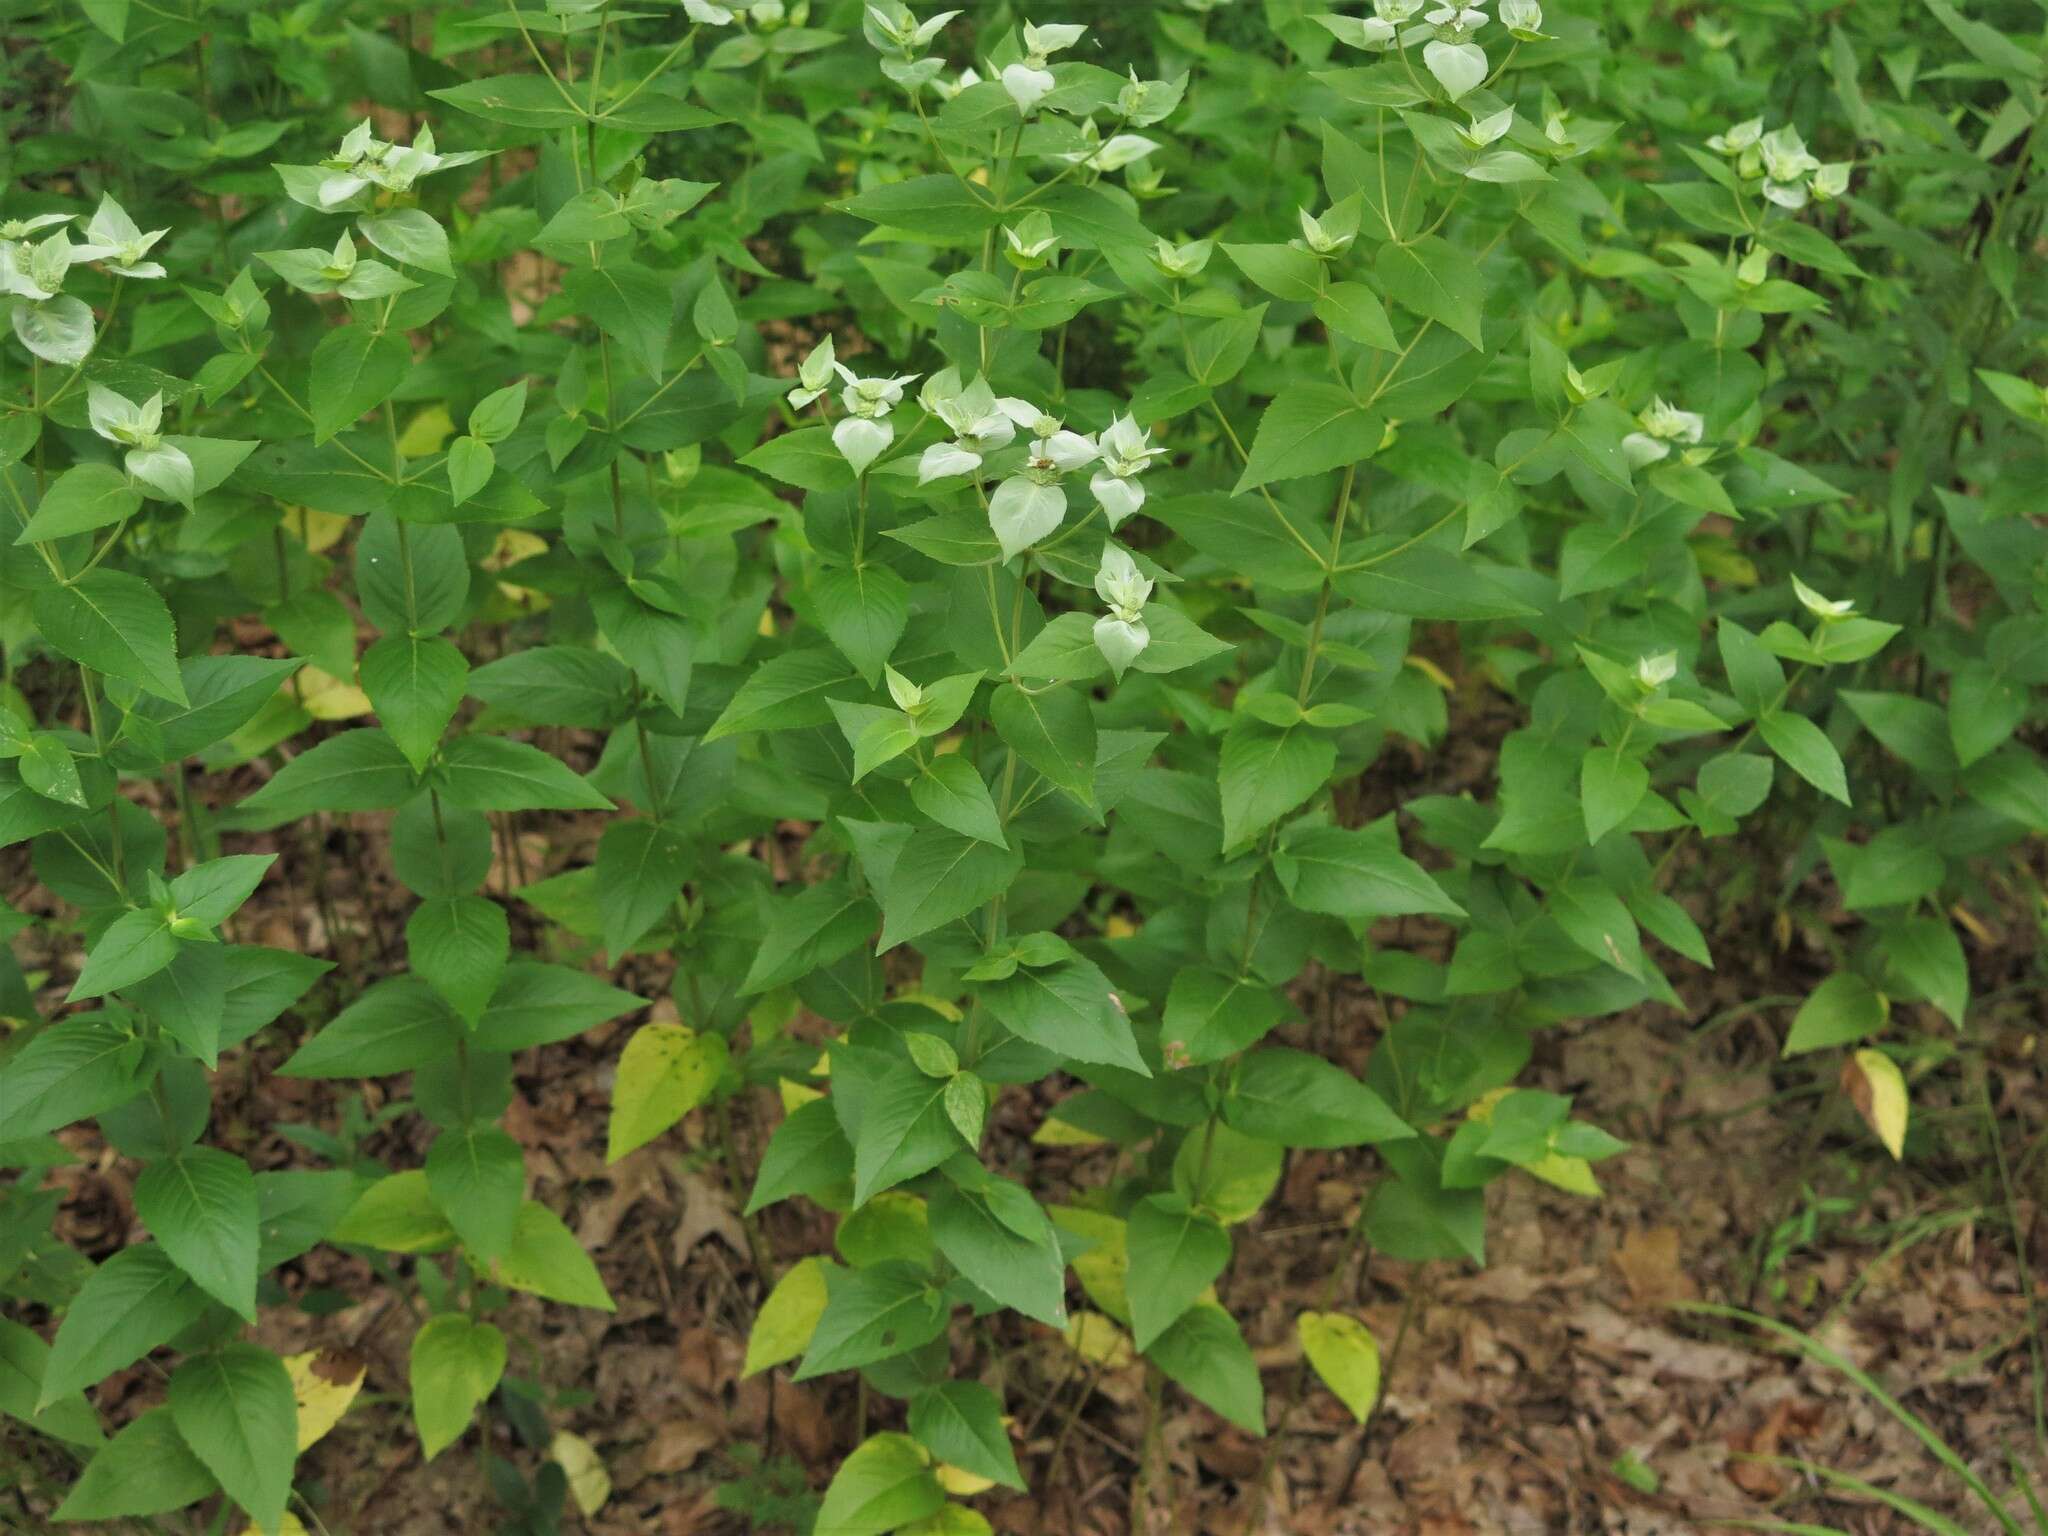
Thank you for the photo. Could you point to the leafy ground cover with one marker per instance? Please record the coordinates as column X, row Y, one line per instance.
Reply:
column 1187, row 767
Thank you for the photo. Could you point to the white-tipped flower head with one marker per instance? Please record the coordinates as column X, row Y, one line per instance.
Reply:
column 36, row 269
column 1182, row 260
column 1125, row 450
column 906, row 693
column 1030, row 503
column 1826, row 609
column 362, row 162
column 1662, row 425
column 1459, row 66
column 1325, row 239
column 946, row 90
column 1523, row 19
column 161, row 467
column 978, row 427
column 1395, row 12
column 125, row 245
column 1739, row 138
column 1043, row 42
column 1121, row 634
column 1142, row 103
column 813, row 375
column 1830, row 181
column 1788, row 167
column 1456, row 18
column 1655, row 671
column 1485, row 130
column 21, row 229
column 708, row 14
column 889, row 24
column 862, row 434
column 1027, row 85
column 1032, row 243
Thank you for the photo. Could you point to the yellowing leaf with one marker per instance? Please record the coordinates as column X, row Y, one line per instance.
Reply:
column 326, row 697
column 589, row 1484
column 1094, row 1337
column 787, row 1319
column 666, row 1071
column 953, row 1520
column 316, row 530
column 1054, row 1132
column 426, row 432
column 291, row 1525
column 1573, row 1175
column 1345, row 1356
column 795, row 1095
column 324, row 1383
column 956, row 1480
column 1878, row 1090
column 1102, row 1270
column 1433, row 672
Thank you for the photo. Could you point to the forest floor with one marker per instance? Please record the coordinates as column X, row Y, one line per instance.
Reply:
column 1557, row 1390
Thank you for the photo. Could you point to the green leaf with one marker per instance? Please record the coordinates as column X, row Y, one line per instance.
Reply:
column 631, row 304
column 415, row 685
column 76, row 1068
column 1611, row 785
column 355, row 369
column 1925, row 954
column 786, row 692
column 1070, row 1008
column 491, row 773
column 1356, row 874
column 539, row 1004
column 1840, row 1011
column 1428, row 583
column 135, row 947
column 24, row 1371
column 863, row 609
column 810, row 929
column 1175, row 1255
column 1210, row 1015
column 952, row 793
column 1436, row 280
column 519, row 101
column 1806, row 750
column 201, row 1205
column 411, row 237
column 1054, row 732
column 904, row 1131
column 361, row 770
column 1265, row 772
column 886, row 1484
column 556, row 685
column 400, row 1023
column 144, row 1470
column 476, row 1174
column 1299, row 1100
column 1206, row 1355
column 665, row 1071
column 459, row 945
column 641, row 866
column 136, row 1301
column 873, row 1314
column 84, row 497
column 233, row 1407
column 545, row 1258
column 1002, row 1241
column 937, row 878
column 114, row 623
column 1309, row 428
column 398, row 1214
column 941, row 206
column 808, row 1153
column 455, row 1365
column 961, row 1424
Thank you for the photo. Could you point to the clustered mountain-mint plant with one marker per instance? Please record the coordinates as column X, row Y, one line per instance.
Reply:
column 967, row 537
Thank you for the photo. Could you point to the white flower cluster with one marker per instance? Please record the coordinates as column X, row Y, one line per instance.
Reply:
column 361, row 163
column 1445, row 31
column 1121, row 634
column 762, row 13
column 1791, row 174
column 161, row 466
column 1663, row 424
column 52, row 324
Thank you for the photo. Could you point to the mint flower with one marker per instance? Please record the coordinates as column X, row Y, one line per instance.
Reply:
column 864, row 431
column 160, row 466
column 814, row 375
column 124, row 245
column 1121, row 634
column 1031, row 503
column 1663, row 424
column 1125, row 450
